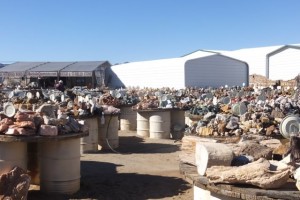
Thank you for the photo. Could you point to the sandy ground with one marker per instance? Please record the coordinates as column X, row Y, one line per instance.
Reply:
column 143, row 169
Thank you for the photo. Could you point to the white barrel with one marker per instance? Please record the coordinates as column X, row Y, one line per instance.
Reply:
column 160, row 125
column 142, row 128
column 177, row 124
column 12, row 154
column 89, row 143
column 33, row 165
column 60, row 166
column 108, row 132
column 128, row 119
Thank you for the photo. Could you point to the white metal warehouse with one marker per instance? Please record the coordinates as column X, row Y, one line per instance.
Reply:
column 274, row 62
column 198, row 69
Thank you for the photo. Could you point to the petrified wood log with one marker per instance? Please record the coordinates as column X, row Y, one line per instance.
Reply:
column 258, row 173
column 255, row 150
column 212, row 154
column 188, row 148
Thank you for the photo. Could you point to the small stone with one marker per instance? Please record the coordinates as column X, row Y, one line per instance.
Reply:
column 237, row 132
column 253, row 130
column 48, row 130
column 264, row 119
column 221, row 127
column 270, row 129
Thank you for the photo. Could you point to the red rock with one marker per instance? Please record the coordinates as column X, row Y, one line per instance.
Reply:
column 3, row 128
column 14, row 184
column 25, row 124
column 6, row 121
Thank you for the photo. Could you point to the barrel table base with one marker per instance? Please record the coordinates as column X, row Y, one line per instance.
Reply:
column 108, row 132
column 13, row 154
column 33, row 162
column 128, row 120
column 60, row 166
column 142, row 128
column 89, row 144
column 177, row 124
column 160, row 125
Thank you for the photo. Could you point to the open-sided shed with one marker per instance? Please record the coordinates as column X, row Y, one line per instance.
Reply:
column 18, row 69
column 87, row 73
column 90, row 73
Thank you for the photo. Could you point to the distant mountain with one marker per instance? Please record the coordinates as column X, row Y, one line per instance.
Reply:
column 2, row 65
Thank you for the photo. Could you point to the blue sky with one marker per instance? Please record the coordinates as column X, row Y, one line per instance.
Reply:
column 135, row 30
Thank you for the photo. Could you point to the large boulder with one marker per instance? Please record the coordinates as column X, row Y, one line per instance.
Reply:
column 14, row 184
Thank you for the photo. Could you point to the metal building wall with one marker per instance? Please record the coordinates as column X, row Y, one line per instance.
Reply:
column 215, row 71
column 284, row 65
column 155, row 74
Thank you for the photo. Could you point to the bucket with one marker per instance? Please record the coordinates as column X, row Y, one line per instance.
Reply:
column 128, row 121
column 89, row 144
column 160, row 125
column 142, row 128
column 60, row 166
column 110, row 129
column 33, row 165
column 12, row 154
column 177, row 123
column 290, row 124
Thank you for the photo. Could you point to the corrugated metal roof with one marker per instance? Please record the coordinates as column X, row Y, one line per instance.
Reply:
column 85, row 66
column 255, row 57
column 51, row 66
column 20, row 66
column 199, row 54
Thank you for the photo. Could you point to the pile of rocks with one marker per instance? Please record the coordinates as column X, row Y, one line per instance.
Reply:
column 239, row 112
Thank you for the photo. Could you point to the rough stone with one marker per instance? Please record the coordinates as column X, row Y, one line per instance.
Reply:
column 14, row 184
column 48, row 130
column 48, row 110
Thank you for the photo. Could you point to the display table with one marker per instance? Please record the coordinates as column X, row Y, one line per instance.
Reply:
column 205, row 190
column 57, row 159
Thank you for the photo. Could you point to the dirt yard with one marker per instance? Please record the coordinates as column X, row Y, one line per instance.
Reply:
column 142, row 169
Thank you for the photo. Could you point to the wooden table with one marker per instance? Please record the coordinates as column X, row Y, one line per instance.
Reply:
column 53, row 161
column 222, row 191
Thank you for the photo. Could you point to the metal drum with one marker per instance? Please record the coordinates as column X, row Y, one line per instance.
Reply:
column 60, row 166
column 142, row 128
column 128, row 121
column 177, row 124
column 12, row 154
column 160, row 125
column 108, row 132
column 89, row 143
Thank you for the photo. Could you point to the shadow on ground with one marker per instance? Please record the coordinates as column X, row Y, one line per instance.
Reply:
column 133, row 144
column 99, row 180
